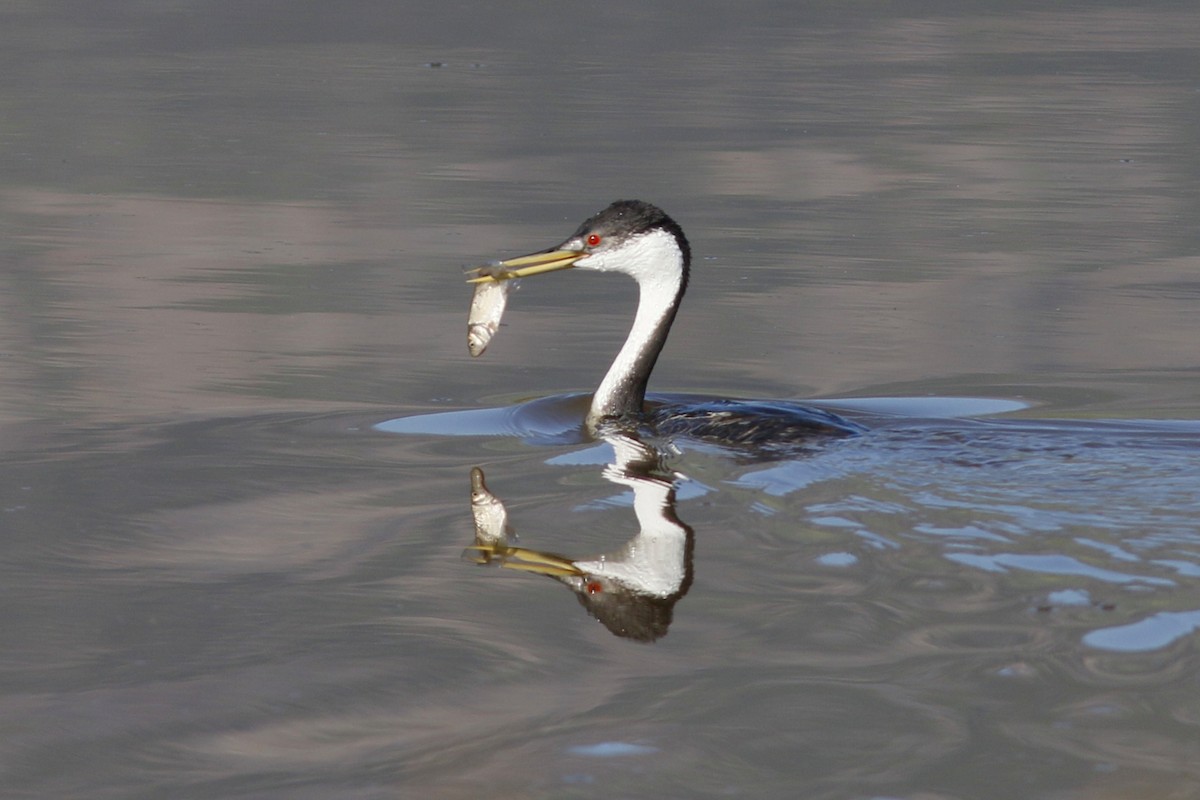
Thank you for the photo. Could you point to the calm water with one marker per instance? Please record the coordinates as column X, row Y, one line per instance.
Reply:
column 238, row 416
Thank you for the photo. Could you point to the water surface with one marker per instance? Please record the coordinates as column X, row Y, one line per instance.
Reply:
column 232, row 250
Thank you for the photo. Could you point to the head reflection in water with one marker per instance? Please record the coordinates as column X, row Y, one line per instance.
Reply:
column 631, row 590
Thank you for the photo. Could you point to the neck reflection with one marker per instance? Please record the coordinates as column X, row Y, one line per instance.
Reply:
column 631, row 590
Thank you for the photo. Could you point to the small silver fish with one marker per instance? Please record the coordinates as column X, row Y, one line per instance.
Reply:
column 487, row 308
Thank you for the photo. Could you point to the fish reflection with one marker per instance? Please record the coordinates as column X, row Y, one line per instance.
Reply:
column 631, row 590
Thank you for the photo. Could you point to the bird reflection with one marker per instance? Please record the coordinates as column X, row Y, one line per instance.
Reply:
column 631, row 590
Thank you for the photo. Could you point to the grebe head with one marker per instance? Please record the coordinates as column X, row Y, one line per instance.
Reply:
column 635, row 238
column 638, row 239
column 630, row 236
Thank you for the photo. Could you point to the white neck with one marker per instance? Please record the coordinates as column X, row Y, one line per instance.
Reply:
column 656, row 263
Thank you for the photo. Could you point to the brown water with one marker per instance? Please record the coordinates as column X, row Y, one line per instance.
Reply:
column 231, row 252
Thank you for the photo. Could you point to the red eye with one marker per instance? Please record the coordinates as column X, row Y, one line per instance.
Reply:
column 594, row 587
column 593, row 239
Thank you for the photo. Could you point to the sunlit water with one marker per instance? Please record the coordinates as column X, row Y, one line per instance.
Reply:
column 239, row 421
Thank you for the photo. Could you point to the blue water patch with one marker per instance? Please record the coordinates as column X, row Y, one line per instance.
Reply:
column 927, row 407
column 596, row 456
column 759, row 507
column 837, row 559
column 1053, row 564
column 962, row 532
column 1185, row 568
column 1069, row 597
column 611, row 750
column 1152, row 633
column 836, row 522
column 576, row 778
column 785, row 478
column 1111, row 549
column 877, row 541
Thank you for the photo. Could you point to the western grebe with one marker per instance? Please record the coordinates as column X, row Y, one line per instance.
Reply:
column 638, row 239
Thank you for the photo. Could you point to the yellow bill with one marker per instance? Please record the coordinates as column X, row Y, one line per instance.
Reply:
column 533, row 264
